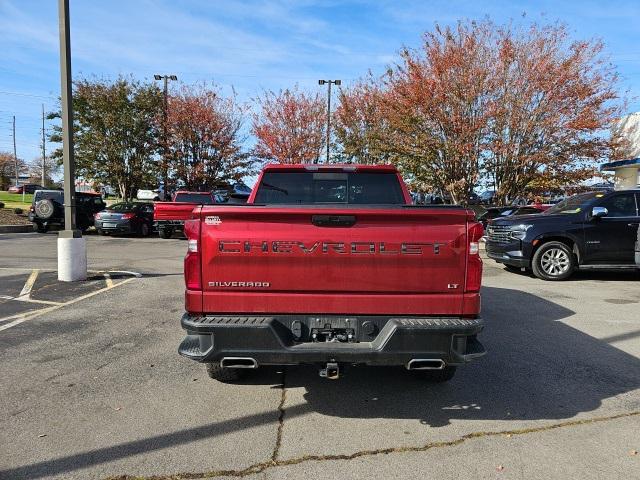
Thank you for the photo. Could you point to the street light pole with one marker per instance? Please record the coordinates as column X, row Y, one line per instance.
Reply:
column 72, row 251
column 329, row 82
column 44, row 152
column 165, row 146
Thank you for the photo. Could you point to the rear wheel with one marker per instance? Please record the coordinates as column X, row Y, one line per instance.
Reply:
column 42, row 227
column 553, row 261
column 101, row 231
column 145, row 231
column 224, row 375
column 437, row 376
column 165, row 232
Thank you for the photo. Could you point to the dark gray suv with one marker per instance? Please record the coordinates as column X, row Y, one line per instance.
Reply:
column 586, row 231
column 47, row 208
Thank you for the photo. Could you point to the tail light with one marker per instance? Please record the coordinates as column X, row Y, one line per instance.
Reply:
column 192, row 276
column 128, row 216
column 474, row 262
column 97, row 216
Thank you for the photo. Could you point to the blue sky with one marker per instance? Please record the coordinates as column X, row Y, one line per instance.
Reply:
column 255, row 45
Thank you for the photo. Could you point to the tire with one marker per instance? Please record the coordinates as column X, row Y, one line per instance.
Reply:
column 224, row 375
column 165, row 232
column 41, row 228
column 145, row 230
column 553, row 261
column 437, row 376
column 101, row 232
column 44, row 209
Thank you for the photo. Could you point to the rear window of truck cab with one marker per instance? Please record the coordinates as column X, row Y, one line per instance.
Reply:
column 202, row 198
column 301, row 187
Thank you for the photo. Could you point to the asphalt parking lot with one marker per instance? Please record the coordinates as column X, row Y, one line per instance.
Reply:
column 92, row 386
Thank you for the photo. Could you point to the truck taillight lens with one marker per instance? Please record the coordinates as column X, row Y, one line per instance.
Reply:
column 474, row 262
column 192, row 277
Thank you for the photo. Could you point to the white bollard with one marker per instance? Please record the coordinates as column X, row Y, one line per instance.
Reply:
column 72, row 259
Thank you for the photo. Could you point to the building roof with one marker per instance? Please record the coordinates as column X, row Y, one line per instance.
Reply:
column 620, row 164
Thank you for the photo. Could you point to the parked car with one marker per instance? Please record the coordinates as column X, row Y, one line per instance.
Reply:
column 170, row 216
column 154, row 195
column 473, row 199
column 47, row 208
column 27, row 188
column 125, row 217
column 332, row 265
column 493, row 212
column 238, row 193
column 528, row 209
column 487, row 197
column 590, row 230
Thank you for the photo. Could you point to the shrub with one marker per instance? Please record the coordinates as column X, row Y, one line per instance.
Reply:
column 18, row 211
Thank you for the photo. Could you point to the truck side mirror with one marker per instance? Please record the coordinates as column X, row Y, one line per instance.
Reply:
column 599, row 212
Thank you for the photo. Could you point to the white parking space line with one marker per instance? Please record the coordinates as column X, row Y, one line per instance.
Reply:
column 28, row 285
column 23, row 317
column 108, row 280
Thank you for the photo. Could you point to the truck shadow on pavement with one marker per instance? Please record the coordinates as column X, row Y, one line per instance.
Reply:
column 536, row 368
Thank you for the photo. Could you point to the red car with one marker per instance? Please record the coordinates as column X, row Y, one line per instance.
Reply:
column 332, row 265
column 28, row 188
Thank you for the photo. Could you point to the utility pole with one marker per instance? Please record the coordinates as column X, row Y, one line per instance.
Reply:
column 44, row 151
column 15, row 154
column 72, row 248
column 165, row 146
column 329, row 82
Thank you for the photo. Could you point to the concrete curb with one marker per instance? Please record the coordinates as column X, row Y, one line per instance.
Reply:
column 16, row 228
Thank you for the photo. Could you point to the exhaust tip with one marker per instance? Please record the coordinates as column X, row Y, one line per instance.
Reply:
column 426, row 364
column 238, row 362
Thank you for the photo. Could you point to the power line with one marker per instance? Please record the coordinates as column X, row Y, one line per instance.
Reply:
column 27, row 95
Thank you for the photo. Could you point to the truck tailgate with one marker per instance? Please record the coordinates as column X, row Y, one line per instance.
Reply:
column 333, row 260
column 173, row 210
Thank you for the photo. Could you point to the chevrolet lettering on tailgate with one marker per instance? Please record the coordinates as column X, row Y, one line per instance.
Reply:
column 287, row 246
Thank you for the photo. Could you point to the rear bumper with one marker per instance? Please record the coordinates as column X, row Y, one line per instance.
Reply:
column 114, row 226
column 270, row 341
column 175, row 225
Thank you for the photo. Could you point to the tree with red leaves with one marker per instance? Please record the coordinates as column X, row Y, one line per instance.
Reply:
column 555, row 101
column 524, row 109
column 290, row 127
column 204, row 138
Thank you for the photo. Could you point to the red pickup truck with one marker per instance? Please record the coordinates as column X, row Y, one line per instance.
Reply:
column 332, row 265
column 169, row 217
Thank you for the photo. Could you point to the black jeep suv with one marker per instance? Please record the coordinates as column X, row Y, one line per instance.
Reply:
column 47, row 208
column 590, row 230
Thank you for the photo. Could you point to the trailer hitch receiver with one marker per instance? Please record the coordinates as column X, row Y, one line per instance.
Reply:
column 330, row 371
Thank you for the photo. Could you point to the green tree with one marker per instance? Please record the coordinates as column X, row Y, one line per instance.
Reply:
column 116, row 126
